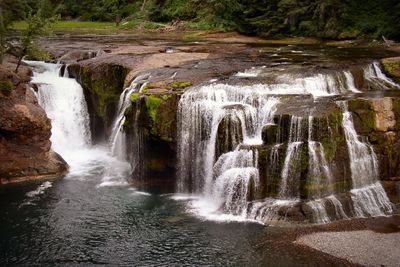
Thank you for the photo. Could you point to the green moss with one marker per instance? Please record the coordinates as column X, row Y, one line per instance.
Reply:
column 166, row 97
column 152, row 104
column 6, row 87
column 105, row 84
column 392, row 68
column 330, row 148
column 134, row 97
column 180, row 84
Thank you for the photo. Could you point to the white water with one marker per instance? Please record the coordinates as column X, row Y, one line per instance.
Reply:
column 40, row 190
column 369, row 198
column 290, row 174
column 374, row 74
column 200, row 112
column 63, row 100
column 118, row 137
column 320, row 171
column 223, row 184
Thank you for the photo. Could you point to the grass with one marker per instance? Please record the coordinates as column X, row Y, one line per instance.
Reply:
column 73, row 25
column 6, row 87
column 87, row 26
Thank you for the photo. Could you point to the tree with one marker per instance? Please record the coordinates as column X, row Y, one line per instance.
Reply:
column 37, row 25
column 10, row 11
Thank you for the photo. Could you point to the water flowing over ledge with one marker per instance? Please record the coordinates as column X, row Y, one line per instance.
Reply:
column 63, row 100
column 221, row 131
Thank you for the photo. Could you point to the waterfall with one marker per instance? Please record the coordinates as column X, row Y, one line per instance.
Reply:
column 290, row 174
column 66, row 72
column 200, row 113
column 63, row 100
column 349, row 81
column 320, row 172
column 368, row 196
column 220, row 130
column 374, row 74
column 225, row 180
column 118, row 137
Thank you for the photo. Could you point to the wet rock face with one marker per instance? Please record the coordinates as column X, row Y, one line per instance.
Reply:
column 151, row 140
column 25, row 130
column 379, row 121
column 102, row 85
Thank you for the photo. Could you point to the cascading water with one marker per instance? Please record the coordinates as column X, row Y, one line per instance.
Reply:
column 63, row 100
column 220, row 129
column 229, row 180
column 118, row 137
column 290, row 174
column 369, row 197
column 374, row 74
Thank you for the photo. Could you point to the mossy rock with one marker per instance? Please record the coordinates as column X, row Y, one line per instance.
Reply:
column 179, row 85
column 104, row 82
column 391, row 67
column 162, row 113
column 269, row 133
column 229, row 134
column 363, row 116
column 6, row 87
column 134, row 97
column 166, row 86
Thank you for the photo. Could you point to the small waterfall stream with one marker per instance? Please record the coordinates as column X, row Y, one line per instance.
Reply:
column 369, row 197
column 118, row 137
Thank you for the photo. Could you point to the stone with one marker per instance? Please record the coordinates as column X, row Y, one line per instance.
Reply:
column 269, row 133
column 25, row 130
column 384, row 116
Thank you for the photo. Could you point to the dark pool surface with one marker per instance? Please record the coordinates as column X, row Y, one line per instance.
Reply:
column 76, row 223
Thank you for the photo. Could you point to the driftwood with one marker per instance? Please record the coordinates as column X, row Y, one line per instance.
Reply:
column 388, row 42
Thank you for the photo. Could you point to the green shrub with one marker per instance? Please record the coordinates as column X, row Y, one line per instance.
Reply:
column 6, row 87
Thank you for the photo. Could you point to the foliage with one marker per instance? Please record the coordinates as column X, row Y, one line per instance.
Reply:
column 273, row 18
column 6, row 87
column 37, row 20
column 10, row 11
column 37, row 25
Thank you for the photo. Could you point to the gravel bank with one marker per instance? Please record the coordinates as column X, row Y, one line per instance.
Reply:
column 361, row 247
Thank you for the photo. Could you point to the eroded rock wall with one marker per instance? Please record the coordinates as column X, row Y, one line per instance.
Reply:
column 102, row 85
column 25, row 130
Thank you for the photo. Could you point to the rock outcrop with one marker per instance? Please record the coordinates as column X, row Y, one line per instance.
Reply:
column 392, row 67
column 102, row 85
column 25, row 130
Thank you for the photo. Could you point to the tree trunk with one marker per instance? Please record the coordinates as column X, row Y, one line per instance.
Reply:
column 143, row 5
column 19, row 63
column 2, row 32
column 118, row 21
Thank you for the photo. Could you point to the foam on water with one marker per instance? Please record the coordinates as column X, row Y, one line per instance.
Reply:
column 40, row 190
